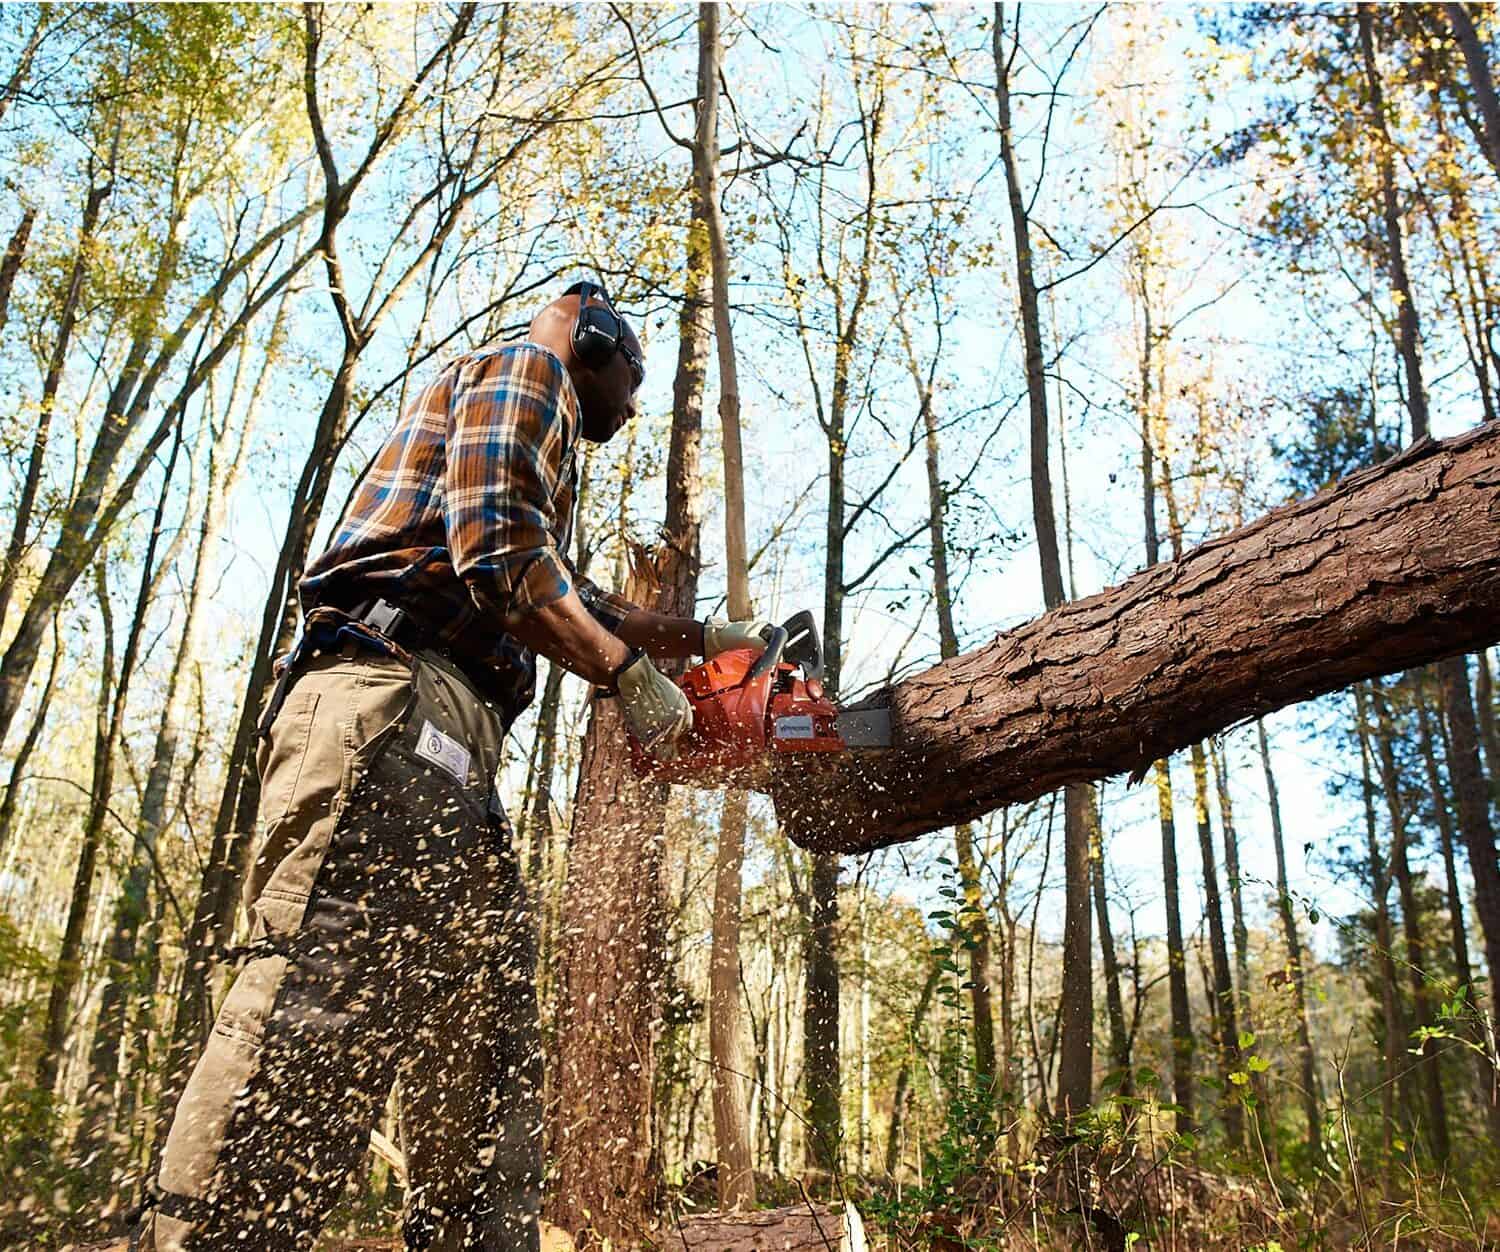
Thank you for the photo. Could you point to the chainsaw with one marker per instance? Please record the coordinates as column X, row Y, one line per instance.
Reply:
column 752, row 710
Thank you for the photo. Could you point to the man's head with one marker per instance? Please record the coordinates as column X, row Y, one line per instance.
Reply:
column 600, row 352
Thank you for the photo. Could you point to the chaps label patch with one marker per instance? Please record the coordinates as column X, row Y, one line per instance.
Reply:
column 444, row 751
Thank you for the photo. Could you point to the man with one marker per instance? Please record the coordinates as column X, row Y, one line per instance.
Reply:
column 389, row 934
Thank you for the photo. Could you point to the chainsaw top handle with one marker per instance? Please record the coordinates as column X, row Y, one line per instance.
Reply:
column 775, row 639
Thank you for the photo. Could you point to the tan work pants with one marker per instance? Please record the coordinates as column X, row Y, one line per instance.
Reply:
column 389, row 939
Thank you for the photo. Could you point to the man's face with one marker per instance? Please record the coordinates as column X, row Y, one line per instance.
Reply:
column 606, row 396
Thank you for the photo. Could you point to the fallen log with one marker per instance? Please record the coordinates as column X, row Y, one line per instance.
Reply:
column 797, row 1228
column 1389, row 568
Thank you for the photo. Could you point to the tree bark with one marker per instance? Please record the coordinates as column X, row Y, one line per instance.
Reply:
column 1311, row 1104
column 609, row 996
column 820, row 1018
column 1391, row 567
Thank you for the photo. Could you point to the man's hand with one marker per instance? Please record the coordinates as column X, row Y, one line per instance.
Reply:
column 728, row 636
column 658, row 711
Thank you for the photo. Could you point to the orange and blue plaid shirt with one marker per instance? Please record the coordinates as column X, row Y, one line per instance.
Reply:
column 465, row 516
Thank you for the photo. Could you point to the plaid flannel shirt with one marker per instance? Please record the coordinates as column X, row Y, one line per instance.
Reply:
column 465, row 516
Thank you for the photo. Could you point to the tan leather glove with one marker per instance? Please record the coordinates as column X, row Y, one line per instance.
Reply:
column 719, row 636
column 658, row 711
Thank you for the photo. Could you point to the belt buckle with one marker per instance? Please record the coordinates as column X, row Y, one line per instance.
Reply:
column 385, row 617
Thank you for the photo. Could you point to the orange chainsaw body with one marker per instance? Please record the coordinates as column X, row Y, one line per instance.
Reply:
column 747, row 708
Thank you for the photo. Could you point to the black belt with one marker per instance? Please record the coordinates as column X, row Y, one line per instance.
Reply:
column 411, row 633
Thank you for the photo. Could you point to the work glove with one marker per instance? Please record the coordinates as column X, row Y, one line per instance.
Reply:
column 658, row 711
column 727, row 636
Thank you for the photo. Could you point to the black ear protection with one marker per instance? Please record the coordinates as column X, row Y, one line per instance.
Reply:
column 598, row 330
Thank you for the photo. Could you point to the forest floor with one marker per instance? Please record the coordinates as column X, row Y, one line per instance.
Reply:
column 1180, row 1208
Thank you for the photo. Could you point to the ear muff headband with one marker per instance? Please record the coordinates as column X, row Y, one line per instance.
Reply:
column 597, row 331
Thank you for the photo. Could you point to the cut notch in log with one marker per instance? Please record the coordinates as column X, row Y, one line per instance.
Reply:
column 1392, row 567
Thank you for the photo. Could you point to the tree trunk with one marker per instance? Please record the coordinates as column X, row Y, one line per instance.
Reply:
column 1261, row 1114
column 31, row 484
column 820, row 1018
column 67, row 971
column 1119, row 1040
column 609, row 995
column 1472, row 802
column 726, row 1041
column 1481, row 82
column 1489, row 737
column 1311, row 1104
column 1177, row 985
column 1468, row 991
column 28, row 743
column 536, row 822
column 1075, row 1072
column 1409, row 335
column 15, row 250
column 1411, row 925
column 1183, row 1046
column 736, row 1173
column 1389, row 568
column 902, row 1094
column 1393, row 1043
column 23, row 62
column 1221, row 1002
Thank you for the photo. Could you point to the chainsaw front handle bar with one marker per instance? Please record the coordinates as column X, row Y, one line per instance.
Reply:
column 775, row 639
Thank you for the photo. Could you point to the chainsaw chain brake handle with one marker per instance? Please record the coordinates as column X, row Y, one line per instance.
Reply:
column 804, row 647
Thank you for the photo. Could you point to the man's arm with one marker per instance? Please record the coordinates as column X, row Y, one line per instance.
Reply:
column 662, row 636
column 566, row 632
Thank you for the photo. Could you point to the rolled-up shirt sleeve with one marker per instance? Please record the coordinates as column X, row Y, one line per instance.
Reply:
column 507, row 438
